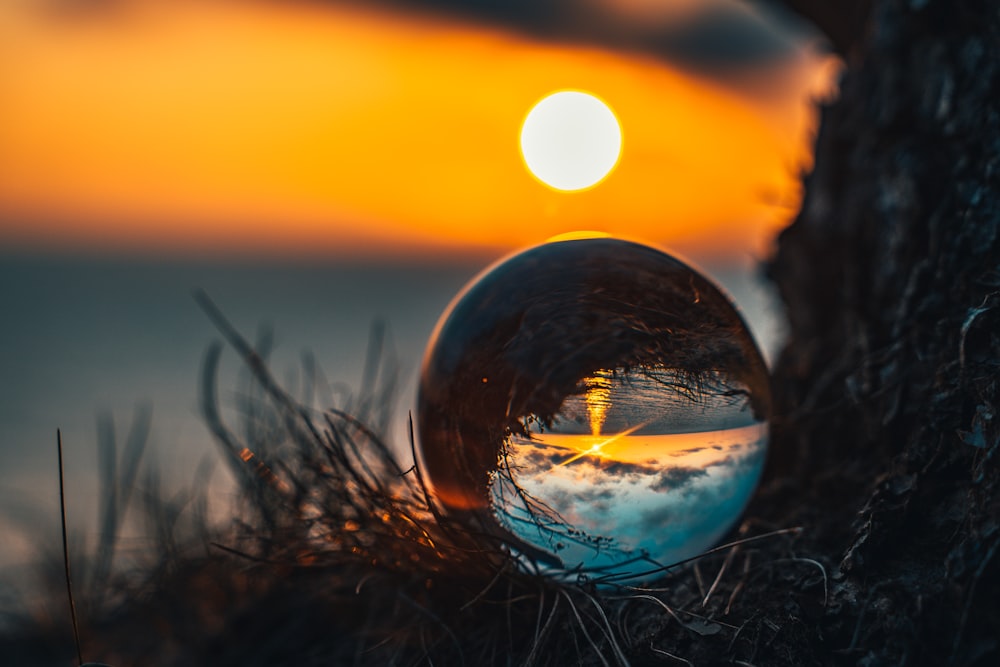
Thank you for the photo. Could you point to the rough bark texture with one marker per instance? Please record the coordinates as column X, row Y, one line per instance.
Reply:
column 887, row 438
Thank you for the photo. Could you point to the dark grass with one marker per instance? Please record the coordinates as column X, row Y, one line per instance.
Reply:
column 65, row 551
column 336, row 554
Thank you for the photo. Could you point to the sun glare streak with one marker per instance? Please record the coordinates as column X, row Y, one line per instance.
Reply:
column 595, row 449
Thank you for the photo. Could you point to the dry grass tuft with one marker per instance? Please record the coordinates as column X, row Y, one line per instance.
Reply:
column 339, row 555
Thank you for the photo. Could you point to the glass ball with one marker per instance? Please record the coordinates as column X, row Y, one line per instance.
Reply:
column 595, row 405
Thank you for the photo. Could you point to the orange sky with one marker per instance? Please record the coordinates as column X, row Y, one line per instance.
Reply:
column 684, row 449
column 206, row 127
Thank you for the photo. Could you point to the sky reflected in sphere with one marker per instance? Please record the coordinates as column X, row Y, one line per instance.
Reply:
column 595, row 405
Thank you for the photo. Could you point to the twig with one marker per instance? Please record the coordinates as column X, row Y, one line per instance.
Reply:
column 671, row 655
column 722, row 547
column 500, row 572
column 583, row 627
column 607, row 630
column 741, row 584
column 718, row 577
column 437, row 619
column 809, row 561
column 542, row 632
column 696, row 568
column 674, row 613
column 245, row 555
column 69, row 581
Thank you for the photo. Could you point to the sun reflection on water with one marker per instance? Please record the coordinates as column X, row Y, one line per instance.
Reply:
column 598, row 399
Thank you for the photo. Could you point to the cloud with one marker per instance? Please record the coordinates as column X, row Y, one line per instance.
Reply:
column 537, row 457
column 621, row 468
column 537, row 14
column 719, row 38
column 686, row 452
column 540, row 457
column 673, row 479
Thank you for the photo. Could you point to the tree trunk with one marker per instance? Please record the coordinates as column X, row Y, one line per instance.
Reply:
column 886, row 435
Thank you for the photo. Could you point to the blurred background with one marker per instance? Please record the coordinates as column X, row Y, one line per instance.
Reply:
column 320, row 165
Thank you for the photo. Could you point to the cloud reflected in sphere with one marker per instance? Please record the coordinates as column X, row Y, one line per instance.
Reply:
column 595, row 405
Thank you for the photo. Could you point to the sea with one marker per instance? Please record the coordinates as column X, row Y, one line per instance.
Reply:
column 86, row 340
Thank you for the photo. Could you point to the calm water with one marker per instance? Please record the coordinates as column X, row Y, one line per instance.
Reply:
column 79, row 337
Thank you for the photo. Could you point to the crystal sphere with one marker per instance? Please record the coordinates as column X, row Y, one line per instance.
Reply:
column 596, row 406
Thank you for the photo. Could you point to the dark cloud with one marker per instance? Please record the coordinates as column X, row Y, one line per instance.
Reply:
column 685, row 452
column 599, row 494
column 534, row 15
column 673, row 479
column 541, row 457
column 711, row 509
column 563, row 502
column 718, row 503
column 592, row 494
column 722, row 39
column 621, row 468
column 743, row 465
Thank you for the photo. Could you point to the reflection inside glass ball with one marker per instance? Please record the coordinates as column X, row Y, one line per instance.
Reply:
column 595, row 405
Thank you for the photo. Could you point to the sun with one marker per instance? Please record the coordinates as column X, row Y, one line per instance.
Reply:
column 571, row 140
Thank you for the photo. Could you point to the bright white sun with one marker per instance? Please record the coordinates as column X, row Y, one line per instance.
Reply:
column 571, row 140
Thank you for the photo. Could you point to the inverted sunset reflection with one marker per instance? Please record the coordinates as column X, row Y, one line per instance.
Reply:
column 595, row 405
column 309, row 128
column 658, row 497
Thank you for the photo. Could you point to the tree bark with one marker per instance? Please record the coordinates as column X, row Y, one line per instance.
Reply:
column 886, row 435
